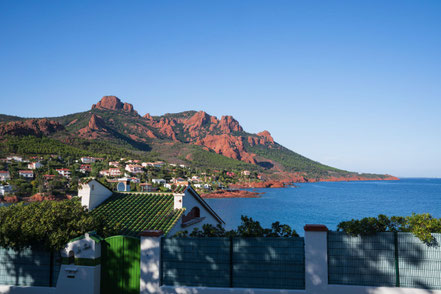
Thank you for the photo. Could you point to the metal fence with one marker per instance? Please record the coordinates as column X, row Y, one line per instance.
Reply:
column 28, row 268
column 272, row 263
column 384, row 259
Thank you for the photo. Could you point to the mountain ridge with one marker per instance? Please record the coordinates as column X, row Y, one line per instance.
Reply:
column 189, row 136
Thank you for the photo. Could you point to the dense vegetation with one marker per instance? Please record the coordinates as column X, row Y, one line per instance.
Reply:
column 421, row 225
column 47, row 224
column 247, row 228
column 31, row 145
column 210, row 159
column 294, row 162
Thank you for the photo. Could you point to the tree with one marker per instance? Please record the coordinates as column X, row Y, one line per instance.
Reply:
column 421, row 225
column 248, row 228
column 47, row 224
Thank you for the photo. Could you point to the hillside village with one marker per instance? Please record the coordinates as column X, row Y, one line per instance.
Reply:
column 52, row 177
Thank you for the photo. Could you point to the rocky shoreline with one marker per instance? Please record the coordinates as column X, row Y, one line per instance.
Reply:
column 292, row 180
column 232, row 194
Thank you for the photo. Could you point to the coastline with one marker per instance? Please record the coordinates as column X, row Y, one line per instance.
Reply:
column 299, row 179
column 231, row 194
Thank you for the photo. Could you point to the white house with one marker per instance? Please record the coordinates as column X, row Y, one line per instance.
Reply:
column 5, row 189
column 184, row 211
column 26, row 174
column 158, row 181
column 114, row 163
column 134, row 168
column 85, row 168
column 34, row 165
column 4, row 175
column 65, row 172
column 114, row 172
column 104, row 173
column 88, row 159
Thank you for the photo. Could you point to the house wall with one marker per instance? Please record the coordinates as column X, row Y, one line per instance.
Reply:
column 91, row 198
column 72, row 278
column 188, row 201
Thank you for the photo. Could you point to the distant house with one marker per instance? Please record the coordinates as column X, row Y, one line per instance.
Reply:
column 85, row 168
column 180, row 182
column 114, row 172
column 134, row 180
column 5, row 189
column 138, row 212
column 123, row 185
column 114, row 163
column 29, row 174
column 15, row 158
column 34, row 165
column 158, row 181
column 65, row 172
column 48, row 177
column 4, row 175
column 88, row 159
column 246, row 173
column 146, row 187
column 134, row 168
column 153, row 164
column 105, row 173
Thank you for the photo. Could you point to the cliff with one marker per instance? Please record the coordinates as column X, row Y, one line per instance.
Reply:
column 194, row 138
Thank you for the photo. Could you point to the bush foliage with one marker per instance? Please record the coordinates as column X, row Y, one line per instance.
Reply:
column 47, row 224
column 421, row 225
column 248, row 228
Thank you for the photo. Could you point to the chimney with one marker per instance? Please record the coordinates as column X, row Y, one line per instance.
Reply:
column 93, row 193
column 178, row 200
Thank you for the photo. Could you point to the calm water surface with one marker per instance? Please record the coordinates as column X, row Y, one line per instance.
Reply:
column 330, row 203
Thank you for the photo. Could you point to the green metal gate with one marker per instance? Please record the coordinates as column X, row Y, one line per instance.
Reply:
column 120, row 271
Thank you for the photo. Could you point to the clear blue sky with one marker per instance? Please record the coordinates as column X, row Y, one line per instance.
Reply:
column 353, row 84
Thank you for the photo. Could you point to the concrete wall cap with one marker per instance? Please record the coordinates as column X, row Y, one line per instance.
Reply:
column 315, row 228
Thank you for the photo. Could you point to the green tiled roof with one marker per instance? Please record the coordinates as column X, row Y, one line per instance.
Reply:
column 137, row 212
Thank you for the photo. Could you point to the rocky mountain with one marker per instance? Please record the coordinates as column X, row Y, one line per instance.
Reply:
column 30, row 127
column 195, row 138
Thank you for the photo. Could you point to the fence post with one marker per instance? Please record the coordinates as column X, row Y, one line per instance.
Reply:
column 397, row 267
column 82, row 276
column 150, row 263
column 316, row 259
column 51, row 269
column 231, row 262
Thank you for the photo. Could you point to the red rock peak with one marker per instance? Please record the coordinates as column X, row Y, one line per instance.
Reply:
column 267, row 136
column 113, row 103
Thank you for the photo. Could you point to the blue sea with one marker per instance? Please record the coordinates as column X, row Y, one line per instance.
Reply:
column 331, row 203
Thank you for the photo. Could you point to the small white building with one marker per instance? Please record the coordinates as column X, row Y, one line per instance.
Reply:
column 114, row 163
column 134, row 168
column 158, row 181
column 28, row 174
column 114, row 172
column 85, row 168
column 104, row 173
column 4, row 175
column 34, row 165
column 88, row 159
column 15, row 158
column 65, row 172
column 5, row 189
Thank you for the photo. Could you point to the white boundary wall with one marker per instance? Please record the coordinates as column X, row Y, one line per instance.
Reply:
column 72, row 279
column 316, row 272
